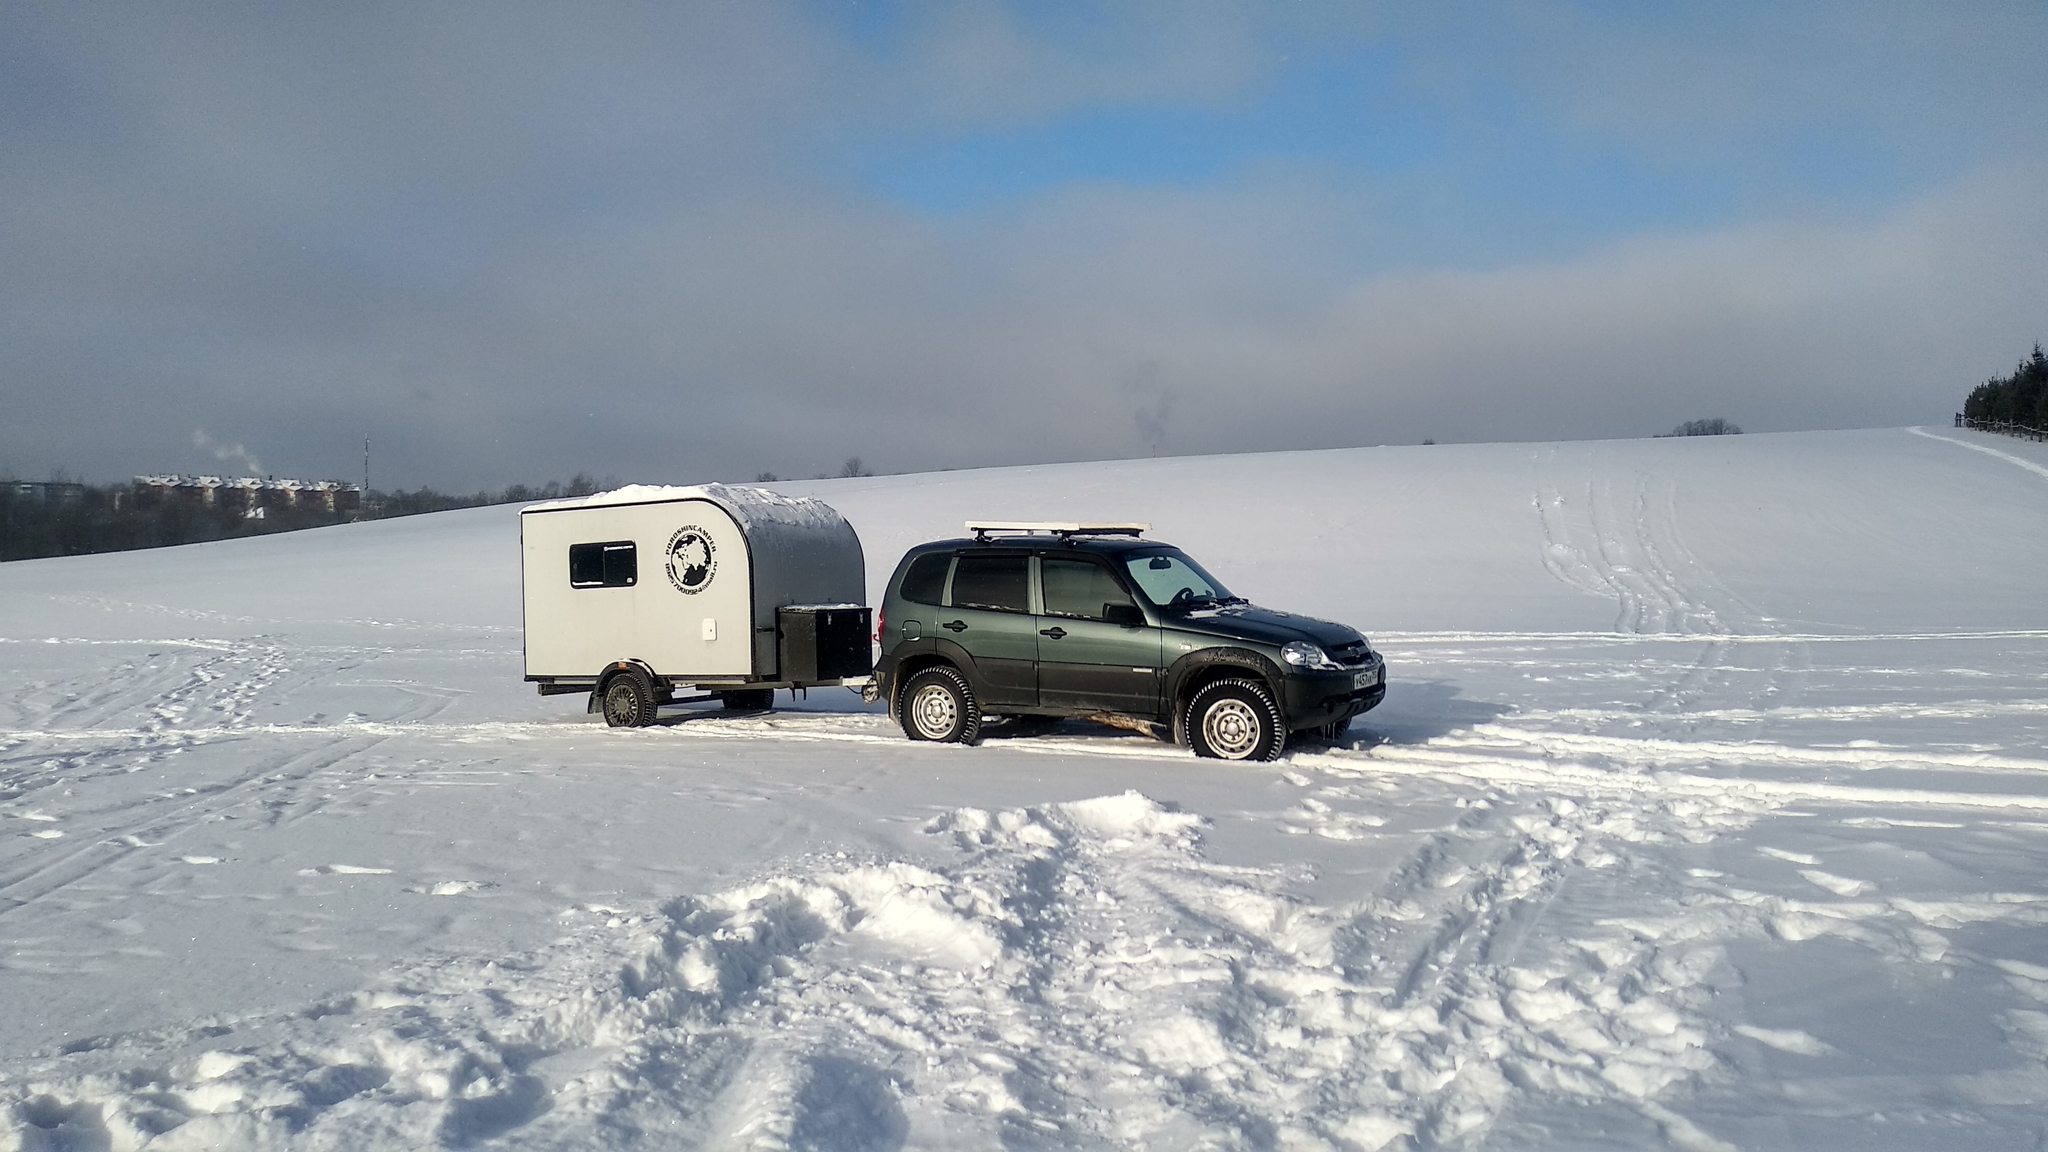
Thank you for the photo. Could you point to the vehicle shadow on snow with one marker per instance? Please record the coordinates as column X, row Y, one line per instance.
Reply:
column 824, row 703
column 1418, row 711
column 1414, row 712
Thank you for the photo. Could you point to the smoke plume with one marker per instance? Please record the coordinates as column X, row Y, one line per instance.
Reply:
column 227, row 453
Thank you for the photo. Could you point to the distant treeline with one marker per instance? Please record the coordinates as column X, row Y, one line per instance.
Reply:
column 1713, row 427
column 62, row 518
column 2016, row 403
column 403, row 503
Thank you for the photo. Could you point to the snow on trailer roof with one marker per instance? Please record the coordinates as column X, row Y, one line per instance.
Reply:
column 752, row 507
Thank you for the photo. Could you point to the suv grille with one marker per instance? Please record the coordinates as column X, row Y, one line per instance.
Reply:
column 1349, row 655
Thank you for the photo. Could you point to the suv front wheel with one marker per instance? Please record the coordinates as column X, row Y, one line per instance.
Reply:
column 939, row 705
column 1236, row 720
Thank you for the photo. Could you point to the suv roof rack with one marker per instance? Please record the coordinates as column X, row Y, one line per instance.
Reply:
column 982, row 528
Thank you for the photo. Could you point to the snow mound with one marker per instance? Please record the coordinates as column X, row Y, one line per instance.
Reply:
column 1077, row 974
column 1708, row 807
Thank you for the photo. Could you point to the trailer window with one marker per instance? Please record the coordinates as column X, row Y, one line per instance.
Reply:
column 610, row 565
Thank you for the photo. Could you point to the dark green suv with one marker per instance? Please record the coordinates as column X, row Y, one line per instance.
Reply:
column 1093, row 620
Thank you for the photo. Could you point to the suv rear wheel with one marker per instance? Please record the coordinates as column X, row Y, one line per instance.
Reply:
column 939, row 705
column 1236, row 720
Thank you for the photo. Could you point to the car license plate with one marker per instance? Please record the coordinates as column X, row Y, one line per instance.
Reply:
column 1366, row 679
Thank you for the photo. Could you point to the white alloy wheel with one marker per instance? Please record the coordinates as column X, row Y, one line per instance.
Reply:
column 935, row 710
column 1236, row 720
column 939, row 705
column 1231, row 728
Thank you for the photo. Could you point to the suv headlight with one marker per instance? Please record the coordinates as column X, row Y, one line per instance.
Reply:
column 1303, row 654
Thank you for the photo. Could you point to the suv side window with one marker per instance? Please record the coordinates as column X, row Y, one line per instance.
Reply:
column 998, row 583
column 925, row 582
column 1077, row 588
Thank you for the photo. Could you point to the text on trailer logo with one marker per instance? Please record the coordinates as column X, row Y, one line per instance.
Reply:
column 691, row 560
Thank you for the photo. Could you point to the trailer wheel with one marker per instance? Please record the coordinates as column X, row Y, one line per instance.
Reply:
column 748, row 700
column 628, row 702
column 939, row 705
column 1236, row 720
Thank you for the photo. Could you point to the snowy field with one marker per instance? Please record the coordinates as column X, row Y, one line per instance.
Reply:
column 1708, row 809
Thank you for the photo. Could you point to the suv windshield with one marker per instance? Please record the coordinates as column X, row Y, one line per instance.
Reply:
column 1170, row 579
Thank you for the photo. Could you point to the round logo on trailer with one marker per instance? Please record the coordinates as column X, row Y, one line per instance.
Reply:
column 692, row 562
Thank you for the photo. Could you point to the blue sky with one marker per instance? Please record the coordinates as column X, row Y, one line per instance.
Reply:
column 1484, row 152
column 698, row 240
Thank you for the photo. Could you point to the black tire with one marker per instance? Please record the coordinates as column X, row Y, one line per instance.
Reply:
column 628, row 701
column 1236, row 720
column 748, row 700
column 938, row 704
column 1333, row 732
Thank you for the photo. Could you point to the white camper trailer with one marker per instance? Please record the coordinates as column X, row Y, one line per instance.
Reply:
column 734, row 592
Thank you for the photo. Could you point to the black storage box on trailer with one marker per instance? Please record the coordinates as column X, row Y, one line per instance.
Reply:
column 825, row 641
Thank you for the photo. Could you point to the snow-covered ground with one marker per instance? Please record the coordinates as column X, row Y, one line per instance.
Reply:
column 1708, row 808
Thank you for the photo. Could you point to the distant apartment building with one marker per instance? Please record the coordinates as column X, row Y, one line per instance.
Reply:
column 252, row 494
column 44, row 492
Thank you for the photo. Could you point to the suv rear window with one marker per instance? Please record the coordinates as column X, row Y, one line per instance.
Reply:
column 1001, row 583
column 925, row 582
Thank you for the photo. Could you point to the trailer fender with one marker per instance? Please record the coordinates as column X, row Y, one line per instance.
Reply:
column 658, row 689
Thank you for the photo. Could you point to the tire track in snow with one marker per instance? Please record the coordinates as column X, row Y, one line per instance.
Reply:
column 154, row 822
column 1987, row 450
column 1605, row 543
column 1622, row 539
column 1499, row 767
column 166, row 687
column 1432, row 638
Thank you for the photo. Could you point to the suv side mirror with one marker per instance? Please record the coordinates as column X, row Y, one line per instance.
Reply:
column 1126, row 614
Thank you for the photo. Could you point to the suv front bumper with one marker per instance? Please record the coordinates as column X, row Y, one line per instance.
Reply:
column 1313, row 699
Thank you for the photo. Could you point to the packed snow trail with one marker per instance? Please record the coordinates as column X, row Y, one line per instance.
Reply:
column 1708, row 809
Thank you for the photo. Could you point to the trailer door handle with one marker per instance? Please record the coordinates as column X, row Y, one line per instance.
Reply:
column 955, row 625
column 1055, row 632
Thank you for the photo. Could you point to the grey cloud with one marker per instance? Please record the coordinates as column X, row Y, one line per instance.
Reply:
column 517, row 243
column 1927, row 84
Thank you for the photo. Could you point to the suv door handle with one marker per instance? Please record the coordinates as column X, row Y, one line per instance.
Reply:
column 955, row 625
column 1055, row 631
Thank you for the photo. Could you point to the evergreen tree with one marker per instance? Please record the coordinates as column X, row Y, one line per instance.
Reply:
column 2021, row 398
column 1713, row 427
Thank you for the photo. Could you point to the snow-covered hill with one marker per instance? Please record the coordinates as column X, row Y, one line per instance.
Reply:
column 1709, row 807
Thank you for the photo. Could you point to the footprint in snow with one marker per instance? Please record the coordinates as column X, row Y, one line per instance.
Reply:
column 455, row 888
column 1791, row 1040
column 1839, row 885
